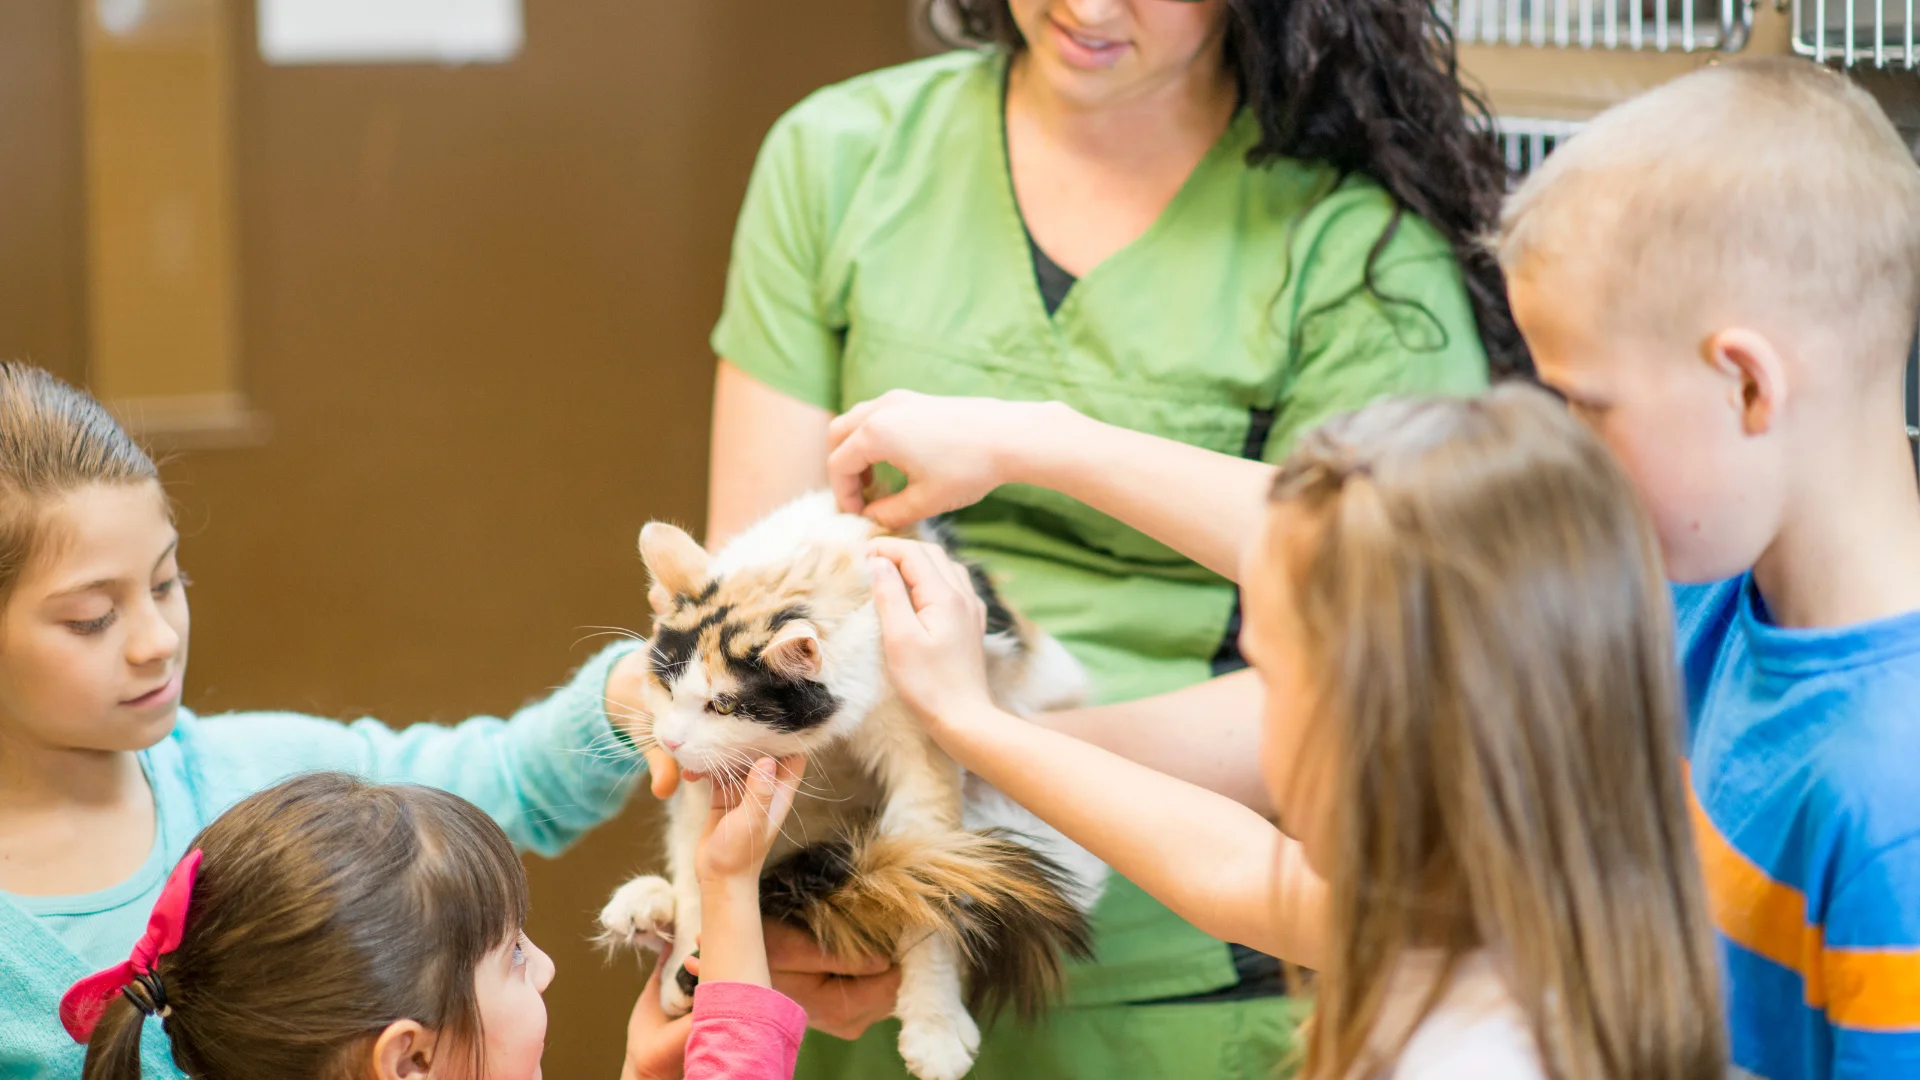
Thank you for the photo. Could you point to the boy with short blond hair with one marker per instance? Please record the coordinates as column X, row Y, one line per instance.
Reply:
column 1723, row 276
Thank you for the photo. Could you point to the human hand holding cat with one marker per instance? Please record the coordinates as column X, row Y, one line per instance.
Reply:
column 746, row 816
column 953, row 450
column 931, row 624
column 627, row 708
column 656, row 1046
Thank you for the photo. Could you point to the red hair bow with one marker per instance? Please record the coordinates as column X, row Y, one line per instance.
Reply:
column 86, row 1001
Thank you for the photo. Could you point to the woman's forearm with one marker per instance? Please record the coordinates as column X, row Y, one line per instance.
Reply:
column 1205, row 505
column 1206, row 734
column 767, row 448
column 1216, row 863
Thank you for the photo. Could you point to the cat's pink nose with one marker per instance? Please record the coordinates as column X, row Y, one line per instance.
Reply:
column 672, row 744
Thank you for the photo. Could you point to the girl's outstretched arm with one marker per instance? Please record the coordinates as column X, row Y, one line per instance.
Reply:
column 955, row 450
column 1216, row 863
column 1206, row 734
column 547, row 774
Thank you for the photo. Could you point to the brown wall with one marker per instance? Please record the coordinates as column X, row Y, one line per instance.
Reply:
column 474, row 312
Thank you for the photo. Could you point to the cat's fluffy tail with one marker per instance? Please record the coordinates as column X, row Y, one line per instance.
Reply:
column 1006, row 905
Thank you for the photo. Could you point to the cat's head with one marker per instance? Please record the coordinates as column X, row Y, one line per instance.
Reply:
column 774, row 657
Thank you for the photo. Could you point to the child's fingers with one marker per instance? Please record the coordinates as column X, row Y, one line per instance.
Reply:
column 656, row 1046
column 788, row 787
column 903, row 508
column 926, row 583
column 956, row 573
column 847, row 469
column 891, row 602
column 663, row 772
column 848, row 422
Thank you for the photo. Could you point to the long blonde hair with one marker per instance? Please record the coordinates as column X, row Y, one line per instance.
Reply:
column 1489, row 637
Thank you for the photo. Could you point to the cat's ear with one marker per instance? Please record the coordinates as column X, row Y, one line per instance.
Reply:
column 794, row 652
column 676, row 563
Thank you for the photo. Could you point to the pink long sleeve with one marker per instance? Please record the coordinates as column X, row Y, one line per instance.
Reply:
column 743, row 1032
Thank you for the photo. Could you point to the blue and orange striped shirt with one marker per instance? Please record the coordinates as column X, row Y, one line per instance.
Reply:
column 1804, row 770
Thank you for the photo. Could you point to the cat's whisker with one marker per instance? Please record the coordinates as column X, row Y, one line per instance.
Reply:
column 608, row 631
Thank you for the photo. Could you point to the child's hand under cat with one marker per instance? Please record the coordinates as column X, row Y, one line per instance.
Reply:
column 656, row 1046
column 931, row 624
column 953, row 450
column 745, row 817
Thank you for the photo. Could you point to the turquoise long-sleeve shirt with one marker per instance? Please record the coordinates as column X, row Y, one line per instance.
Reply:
column 547, row 775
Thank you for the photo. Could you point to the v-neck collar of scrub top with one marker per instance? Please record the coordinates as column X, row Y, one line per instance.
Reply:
column 1235, row 139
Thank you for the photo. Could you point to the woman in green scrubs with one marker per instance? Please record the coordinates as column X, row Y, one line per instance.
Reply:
column 1217, row 221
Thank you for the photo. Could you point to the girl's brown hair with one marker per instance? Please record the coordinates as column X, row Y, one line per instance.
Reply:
column 326, row 909
column 53, row 439
column 1489, row 635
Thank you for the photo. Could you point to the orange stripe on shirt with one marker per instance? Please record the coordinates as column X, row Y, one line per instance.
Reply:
column 1861, row 988
column 1872, row 989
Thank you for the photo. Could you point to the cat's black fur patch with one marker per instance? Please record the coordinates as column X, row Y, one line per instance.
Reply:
column 999, row 616
column 673, row 648
column 685, row 600
column 780, row 703
column 803, row 879
column 791, row 613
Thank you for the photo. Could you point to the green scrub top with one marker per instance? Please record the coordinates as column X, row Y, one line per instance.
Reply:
column 880, row 246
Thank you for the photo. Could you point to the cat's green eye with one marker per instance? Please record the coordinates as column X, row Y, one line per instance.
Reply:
column 723, row 704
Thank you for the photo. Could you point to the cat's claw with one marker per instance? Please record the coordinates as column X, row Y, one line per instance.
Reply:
column 941, row 1049
column 640, row 915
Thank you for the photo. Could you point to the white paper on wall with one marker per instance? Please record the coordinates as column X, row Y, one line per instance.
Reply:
column 389, row 31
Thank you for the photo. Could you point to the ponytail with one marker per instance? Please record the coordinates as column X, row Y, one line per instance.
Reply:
column 114, row 1051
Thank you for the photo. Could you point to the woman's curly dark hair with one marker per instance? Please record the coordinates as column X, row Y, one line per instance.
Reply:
column 1367, row 86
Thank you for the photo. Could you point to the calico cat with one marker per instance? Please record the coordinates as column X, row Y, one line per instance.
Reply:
column 772, row 648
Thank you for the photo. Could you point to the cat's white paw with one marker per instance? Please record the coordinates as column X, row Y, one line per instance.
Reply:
column 941, row 1048
column 640, row 915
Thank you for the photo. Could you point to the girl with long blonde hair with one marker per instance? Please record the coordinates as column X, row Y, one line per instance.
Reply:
column 1471, row 737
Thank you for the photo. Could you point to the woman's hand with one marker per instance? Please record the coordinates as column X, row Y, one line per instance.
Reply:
column 745, row 817
column 953, row 450
column 656, row 1046
column 931, row 624
column 843, row 996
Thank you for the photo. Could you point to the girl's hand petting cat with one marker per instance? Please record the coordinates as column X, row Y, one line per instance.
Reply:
column 745, row 817
column 953, row 450
column 931, row 624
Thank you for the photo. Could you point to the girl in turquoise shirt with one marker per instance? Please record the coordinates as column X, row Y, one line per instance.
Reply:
column 104, row 778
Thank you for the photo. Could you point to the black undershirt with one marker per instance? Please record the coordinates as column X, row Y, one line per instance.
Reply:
column 1259, row 975
column 1055, row 283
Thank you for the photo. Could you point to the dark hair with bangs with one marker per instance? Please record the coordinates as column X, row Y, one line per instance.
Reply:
column 327, row 908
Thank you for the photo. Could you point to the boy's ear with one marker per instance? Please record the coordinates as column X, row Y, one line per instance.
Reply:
column 676, row 563
column 1757, row 375
column 404, row 1051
